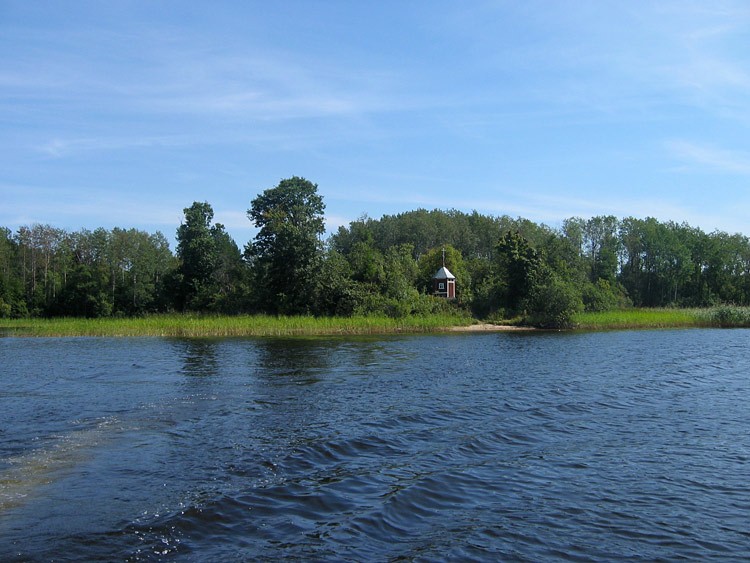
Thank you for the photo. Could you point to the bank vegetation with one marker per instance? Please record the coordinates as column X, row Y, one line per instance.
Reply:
column 197, row 325
column 600, row 272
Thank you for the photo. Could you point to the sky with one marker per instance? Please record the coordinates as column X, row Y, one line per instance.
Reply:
column 123, row 113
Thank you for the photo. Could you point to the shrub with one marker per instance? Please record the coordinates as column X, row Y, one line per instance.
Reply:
column 553, row 303
column 602, row 296
column 5, row 309
column 730, row 316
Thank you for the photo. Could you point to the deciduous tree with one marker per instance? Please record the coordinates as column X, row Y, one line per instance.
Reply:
column 206, row 254
column 518, row 269
column 285, row 254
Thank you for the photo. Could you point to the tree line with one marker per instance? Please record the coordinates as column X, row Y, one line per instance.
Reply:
column 505, row 267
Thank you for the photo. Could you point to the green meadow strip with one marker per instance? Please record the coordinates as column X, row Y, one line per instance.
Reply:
column 185, row 325
column 657, row 318
column 218, row 326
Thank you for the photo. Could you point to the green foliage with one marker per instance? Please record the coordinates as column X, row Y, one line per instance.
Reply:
column 505, row 267
column 210, row 272
column 196, row 249
column 603, row 296
column 47, row 271
column 12, row 302
column 729, row 316
column 86, row 295
column 367, row 263
column 139, row 263
column 229, row 278
column 485, row 300
column 5, row 309
column 601, row 246
column 553, row 303
column 400, row 273
column 286, row 252
column 656, row 265
column 415, row 303
column 474, row 235
column 519, row 268
column 432, row 261
column 335, row 291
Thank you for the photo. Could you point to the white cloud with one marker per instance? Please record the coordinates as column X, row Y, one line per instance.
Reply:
column 709, row 157
column 60, row 147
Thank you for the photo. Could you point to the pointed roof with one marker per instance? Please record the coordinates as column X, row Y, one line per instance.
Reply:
column 444, row 274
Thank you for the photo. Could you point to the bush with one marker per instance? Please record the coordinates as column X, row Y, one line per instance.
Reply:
column 602, row 296
column 5, row 309
column 730, row 316
column 553, row 303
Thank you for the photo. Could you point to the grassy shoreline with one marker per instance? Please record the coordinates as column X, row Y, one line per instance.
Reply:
column 186, row 325
column 723, row 316
column 639, row 319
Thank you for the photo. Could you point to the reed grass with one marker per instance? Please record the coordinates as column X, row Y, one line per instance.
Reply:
column 222, row 326
column 185, row 325
column 728, row 316
column 663, row 318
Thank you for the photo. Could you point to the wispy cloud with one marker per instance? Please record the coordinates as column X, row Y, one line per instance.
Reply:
column 268, row 85
column 474, row 107
column 183, row 96
column 60, row 147
column 695, row 155
column 621, row 58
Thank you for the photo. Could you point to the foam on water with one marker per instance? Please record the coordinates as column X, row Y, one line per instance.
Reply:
column 22, row 476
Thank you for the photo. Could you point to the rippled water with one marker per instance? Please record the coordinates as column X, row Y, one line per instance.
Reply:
column 604, row 446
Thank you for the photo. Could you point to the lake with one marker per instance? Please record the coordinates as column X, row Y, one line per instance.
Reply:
column 458, row 447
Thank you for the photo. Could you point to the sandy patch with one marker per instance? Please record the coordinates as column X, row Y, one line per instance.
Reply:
column 487, row 327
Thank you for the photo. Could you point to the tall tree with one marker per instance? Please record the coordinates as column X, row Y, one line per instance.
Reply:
column 602, row 246
column 518, row 269
column 286, row 252
column 11, row 288
column 229, row 272
column 202, row 249
column 87, row 290
column 335, row 291
column 142, row 260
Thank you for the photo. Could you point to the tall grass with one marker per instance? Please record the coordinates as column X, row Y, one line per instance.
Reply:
column 637, row 318
column 218, row 326
column 722, row 316
column 728, row 316
column 264, row 325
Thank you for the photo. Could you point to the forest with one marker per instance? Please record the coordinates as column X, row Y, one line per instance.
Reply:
column 505, row 267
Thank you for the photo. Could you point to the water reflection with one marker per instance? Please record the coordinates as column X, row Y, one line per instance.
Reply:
column 312, row 390
column 303, row 360
column 199, row 357
column 286, row 412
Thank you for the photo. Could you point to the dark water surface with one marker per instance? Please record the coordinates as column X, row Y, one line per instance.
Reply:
column 529, row 447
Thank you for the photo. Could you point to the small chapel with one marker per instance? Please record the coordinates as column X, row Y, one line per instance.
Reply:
column 444, row 282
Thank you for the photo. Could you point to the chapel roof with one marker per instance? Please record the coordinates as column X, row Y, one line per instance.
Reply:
column 444, row 274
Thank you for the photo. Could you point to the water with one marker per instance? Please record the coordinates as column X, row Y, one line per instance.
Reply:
column 514, row 447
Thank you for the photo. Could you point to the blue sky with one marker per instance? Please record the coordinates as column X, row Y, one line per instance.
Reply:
column 122, row 113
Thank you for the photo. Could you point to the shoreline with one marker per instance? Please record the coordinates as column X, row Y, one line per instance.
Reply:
column 189, row 325
column 489, row 327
